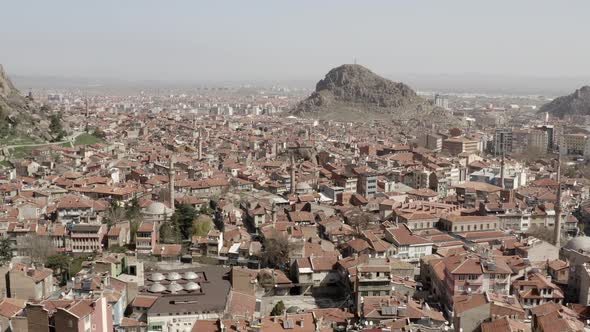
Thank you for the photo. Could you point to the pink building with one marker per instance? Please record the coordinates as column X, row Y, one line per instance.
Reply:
column 469, row 274
column 146, row 238
column 79, row 315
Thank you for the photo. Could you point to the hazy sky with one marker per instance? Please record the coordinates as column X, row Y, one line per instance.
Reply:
column 299, row 39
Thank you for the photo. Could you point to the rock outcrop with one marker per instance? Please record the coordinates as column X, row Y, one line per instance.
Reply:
column 577, row 103
column 354, row 93
column 20, row 116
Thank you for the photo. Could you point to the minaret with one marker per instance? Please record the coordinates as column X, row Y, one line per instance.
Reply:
column 502, row 165
column 200, row 145
column 274, row 212
column 86, row 129
column 292, row 174
column 557, row 229
column 171, row 176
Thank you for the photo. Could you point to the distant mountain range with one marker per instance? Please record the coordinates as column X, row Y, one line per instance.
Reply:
column 443, row 83
column 577, row 103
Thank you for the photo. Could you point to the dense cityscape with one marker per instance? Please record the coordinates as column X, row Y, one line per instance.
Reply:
column 355, row 203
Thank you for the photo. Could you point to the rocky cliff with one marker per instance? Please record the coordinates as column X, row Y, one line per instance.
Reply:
column 577, row 103
column 353, row 92
column 20, row 116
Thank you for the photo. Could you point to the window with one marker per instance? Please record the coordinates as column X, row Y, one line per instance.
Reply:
column 473, row 277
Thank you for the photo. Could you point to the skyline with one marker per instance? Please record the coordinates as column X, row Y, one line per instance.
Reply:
column 187, row 41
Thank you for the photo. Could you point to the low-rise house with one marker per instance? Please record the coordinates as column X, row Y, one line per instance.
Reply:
column 408, row 247
column 469, row 273
column 470, row 310
column 536, row 289
column 313, row 273
column 76, row 208
column 29, row 282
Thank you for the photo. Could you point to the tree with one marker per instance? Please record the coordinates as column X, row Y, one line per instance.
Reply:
column 40, row 248
column 276, row 251
column 360, row 221
column 98, row 133
column 56, row 127
column 183, row 218
column 169, row 233
column 58, row 263
column 65, row 266
column 133, row 214
column 541, row 232
column 114, row 214
column 202, row 225
column 133, row 210
column 117, row 249
column 278, row 310
column 5, row 251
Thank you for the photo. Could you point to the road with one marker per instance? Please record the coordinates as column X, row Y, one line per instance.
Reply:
column 69, row 139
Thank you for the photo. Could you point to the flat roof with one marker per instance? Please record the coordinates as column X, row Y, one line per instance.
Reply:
column 212, row 299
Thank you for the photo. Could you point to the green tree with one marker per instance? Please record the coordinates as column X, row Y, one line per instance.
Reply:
column 133, row 209
column 183, row 218
column 117, row 249
column 56, row 127
column 133, row 214
column 202, row 225
column 278, row 310
column 58, row 263
column 169, row 233
column 65, row 266
column 5, row 251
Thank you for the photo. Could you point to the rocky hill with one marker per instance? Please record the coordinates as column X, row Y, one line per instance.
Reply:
column 577, row 103
column 354, row 93
column 20, row 117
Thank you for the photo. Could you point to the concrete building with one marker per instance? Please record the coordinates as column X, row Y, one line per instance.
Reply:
column 502, row 141
column 575, row 144
column 441, row 101
column 431, row 141
column 458, row 145
column 29, row 282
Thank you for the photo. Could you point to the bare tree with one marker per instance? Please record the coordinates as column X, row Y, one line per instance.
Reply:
column 38, row 247
column 276, row 251
column 360, row 221
column 541, row 232
column 115, row 214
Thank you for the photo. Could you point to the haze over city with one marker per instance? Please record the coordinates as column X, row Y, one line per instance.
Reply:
column 468, row 41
